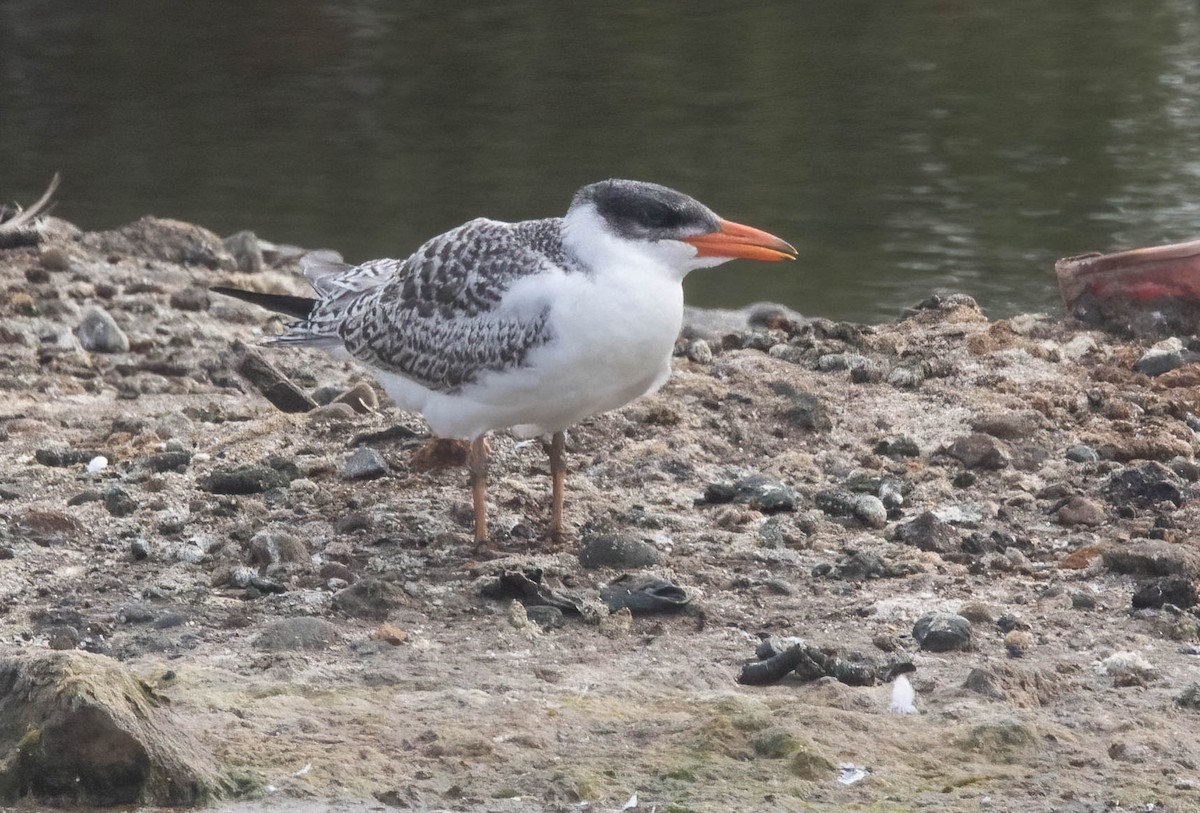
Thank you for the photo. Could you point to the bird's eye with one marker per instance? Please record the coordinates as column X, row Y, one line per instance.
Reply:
column 659, row 216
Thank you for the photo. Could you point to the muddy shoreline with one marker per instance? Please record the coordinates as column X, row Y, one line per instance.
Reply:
column 797, row 478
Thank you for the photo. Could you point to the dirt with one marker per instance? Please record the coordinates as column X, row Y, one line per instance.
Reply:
column 422, row 692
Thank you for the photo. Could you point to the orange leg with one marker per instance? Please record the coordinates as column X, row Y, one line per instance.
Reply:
column 556, row 449
column 477, row 464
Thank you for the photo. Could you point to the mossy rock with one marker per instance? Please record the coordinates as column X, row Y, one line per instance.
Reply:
column 80, row 729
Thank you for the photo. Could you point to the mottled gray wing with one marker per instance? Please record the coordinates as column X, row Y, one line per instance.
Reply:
column 436, row 317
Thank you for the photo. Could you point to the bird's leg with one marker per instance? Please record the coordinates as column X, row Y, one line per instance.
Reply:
column 477, row 464
column 556, row 449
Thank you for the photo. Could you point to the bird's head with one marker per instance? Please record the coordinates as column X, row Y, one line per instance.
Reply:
column 611, row 218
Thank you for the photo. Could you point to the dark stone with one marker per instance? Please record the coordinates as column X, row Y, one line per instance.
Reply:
column 118, row 502
column 760, row 493
column 927, row 532
column 99, row 332
column 835, row 502
column 1165, row 590
column 243, row 480
column 168, row 461
column 1152, row 557
column 1082, row 601
column 1158, row 360
column 302, row 633
column 942, row 632
column 805, row 410
column 136, row 614
column 139, row 549
column 365, row 464
column 168, row 620
column 617, row 551
column 83, row 497
column 368, row 598
column 62, row 637
column 67, row 457
column 272, row 383
column 902, row 446
column 545, row 616
column 1082, row 454
column 1144, row 486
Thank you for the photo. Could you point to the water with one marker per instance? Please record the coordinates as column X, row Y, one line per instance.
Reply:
column 903, row 147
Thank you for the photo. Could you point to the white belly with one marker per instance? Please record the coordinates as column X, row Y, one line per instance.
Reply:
column 613, row 340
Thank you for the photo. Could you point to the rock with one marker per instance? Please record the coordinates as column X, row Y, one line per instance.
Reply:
column 979, row 451
column 805, row 410
column 760, row 493
column 368, row 598
column 906, row 378
column 273, row 384
column 545, row 616
column 835, row 502
column 170, row 241
column 274, row 547
column 118, row 502
column 193, row 298
column 1022, row 687
column 46, row 528
column 331, row 413
column 1144, row 486
column 942, row 632
column 1081, row 511
column 302, row 633
column 902, row 446
column 870, row 511
column 80, row 729
column 927, row 532
column 1161, row 358
column 617, row 551
column 1008, row 425
column 1166, row 590
column 243, row 480
column 246, row 251
column 49, row 456
column 700, row 351
column 99, row 332
column 1082, row 601
column 361, row 398
column 1189, row 698
column 62, row 636
column 54, row 259
column 1153, row 557
column 136, row 613
column 365, row 464
column 1082, row 454
column 160, row 462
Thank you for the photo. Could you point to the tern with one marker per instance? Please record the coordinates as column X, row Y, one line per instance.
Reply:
column 531, row 326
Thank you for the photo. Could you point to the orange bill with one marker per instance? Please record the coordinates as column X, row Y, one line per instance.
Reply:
column 736, row 240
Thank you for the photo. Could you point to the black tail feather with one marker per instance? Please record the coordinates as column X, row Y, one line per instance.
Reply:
column 297, row 306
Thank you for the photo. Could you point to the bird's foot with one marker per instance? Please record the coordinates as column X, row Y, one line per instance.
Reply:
column 440, row 453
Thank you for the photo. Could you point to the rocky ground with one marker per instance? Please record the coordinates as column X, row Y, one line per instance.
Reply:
column 1002, row 512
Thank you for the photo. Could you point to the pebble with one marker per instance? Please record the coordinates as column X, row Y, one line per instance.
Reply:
column 242, row 480
column 1153, row 557
column 99, row 332
column 55, row 259
column 176, row 461
column 331, row 413
column 757, row 491
column 302, row 633
column 1161, row 358
column 942, row 632
column 1082, row 511
column 84, row 497
column 1082, row 601
column 62, row 637
column 901, row 446
column 118, row 502
column 368, row 598
column 193, row 298
column 246, row 251
column 927, row 532
column 365, row 464
column 617, row 551
column 700, row 352
column 545, row 616
column 906, row 378
column 979, row 451
column 836, row 502
column 1082, row 454
column 361, row 398
column 1018, row 425
column 1166, row 590
column 1144, row 486
column 805, row 411
column 870, row 511
column 275, row 547
column 139, row 549
column 135, row 613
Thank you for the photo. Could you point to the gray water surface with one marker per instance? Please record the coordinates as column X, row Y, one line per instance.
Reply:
column 902, row 146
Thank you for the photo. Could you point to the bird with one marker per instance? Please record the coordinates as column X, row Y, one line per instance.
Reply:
column 530, row 326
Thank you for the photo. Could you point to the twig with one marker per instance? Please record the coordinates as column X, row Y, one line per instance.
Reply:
column 27, row 215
